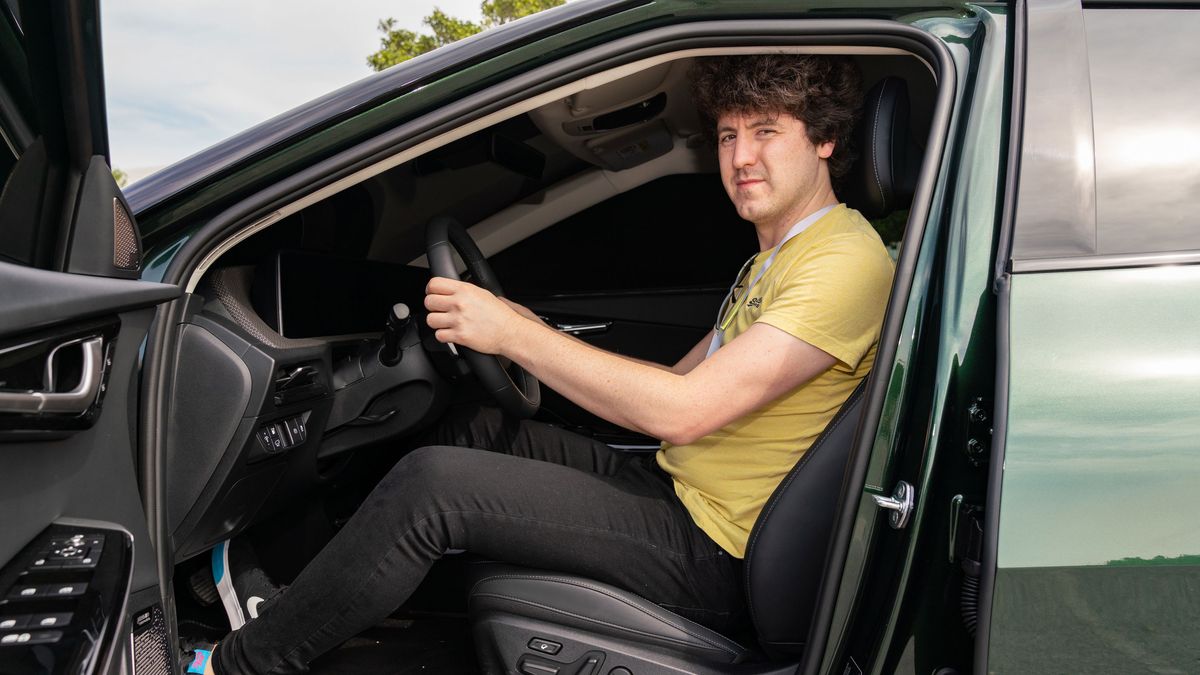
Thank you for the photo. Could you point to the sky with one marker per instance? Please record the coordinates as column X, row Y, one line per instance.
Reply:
column 184, row 74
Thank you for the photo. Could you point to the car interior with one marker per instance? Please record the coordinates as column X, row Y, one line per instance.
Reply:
column 305, row 367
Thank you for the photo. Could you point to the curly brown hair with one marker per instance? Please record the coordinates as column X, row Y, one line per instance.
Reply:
column 824, row 92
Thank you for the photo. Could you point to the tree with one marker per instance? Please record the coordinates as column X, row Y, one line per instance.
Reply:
column 398, row 44
column 121, row 177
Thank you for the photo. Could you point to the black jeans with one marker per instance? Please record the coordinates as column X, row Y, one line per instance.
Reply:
column 514, row 491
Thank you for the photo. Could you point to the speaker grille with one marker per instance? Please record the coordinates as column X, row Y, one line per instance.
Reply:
column 151, row 653
column 127, row 253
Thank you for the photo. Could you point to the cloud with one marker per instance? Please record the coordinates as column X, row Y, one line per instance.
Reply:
column 183, row 75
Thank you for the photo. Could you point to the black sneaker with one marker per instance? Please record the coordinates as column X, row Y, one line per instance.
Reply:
column 241, row 583
column 197, row 657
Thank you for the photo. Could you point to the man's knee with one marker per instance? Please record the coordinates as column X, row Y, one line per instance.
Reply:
column 434, row 469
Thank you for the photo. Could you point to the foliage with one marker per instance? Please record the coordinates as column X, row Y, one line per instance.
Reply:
column 1156, row 560
column 121, row 177
column 398, row 44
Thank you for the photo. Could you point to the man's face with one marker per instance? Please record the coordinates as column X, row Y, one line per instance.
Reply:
column 769, row 167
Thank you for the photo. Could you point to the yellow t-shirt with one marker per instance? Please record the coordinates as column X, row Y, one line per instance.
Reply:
column 827, row 286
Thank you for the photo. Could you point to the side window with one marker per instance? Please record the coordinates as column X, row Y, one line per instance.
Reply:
column 1145, row 98
column 677, row 232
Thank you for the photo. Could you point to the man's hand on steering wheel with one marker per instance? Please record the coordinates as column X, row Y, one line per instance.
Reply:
column 470, row 316
column 476, row 317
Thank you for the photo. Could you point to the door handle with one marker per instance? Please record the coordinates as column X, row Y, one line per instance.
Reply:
column 581, row 328
column 76, row 401
column 900, row 504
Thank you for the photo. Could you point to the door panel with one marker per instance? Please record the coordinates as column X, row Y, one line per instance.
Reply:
column 656, row 326
column 78, row 575
column 73, row 473
column 1098, row 565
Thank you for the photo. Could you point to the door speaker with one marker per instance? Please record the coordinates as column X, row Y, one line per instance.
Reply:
column 151, row 652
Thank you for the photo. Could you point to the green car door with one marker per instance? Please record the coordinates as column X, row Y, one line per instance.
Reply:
column 1098, row 549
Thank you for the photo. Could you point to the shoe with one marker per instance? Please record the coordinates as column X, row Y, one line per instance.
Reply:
column 241, row 583
column 197, row 658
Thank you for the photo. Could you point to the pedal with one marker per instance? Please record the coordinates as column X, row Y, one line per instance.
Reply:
column 202, row 587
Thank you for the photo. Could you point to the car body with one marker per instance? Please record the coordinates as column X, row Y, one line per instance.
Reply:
column 1036, row 384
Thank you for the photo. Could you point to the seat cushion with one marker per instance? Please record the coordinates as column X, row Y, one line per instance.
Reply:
column 583, row 604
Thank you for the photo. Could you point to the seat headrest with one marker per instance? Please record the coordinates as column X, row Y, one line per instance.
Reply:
column 785, row 556
column 884, row 175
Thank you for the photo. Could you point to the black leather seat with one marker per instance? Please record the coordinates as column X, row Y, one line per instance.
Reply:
column 544, row 623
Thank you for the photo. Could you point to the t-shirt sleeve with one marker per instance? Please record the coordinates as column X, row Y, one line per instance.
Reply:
column 834, row 297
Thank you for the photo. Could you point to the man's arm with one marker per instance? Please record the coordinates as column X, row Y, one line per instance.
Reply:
column 760, row 365
column 689, row 361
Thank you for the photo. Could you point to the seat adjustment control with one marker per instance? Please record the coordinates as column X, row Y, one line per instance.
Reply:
column 544, row 646
column 588, row 664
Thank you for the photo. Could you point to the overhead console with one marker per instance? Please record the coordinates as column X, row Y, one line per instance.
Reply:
column 624, row 123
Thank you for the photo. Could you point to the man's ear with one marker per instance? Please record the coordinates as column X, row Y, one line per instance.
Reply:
column 825, row 150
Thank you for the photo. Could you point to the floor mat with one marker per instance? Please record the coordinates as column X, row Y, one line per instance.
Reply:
column 404, row 646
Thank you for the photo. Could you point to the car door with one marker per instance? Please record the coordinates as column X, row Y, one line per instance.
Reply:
column 1093, row 551
column 79, row 587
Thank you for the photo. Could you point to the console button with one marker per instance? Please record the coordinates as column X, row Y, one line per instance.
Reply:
column 64, row 590
column 49, row 620
column 41, row 637
column 23, row 592
column 264, row 439
column 14, row 622
column 87, row 562
column 276, row 434
column 544, row 646
column 295, row 430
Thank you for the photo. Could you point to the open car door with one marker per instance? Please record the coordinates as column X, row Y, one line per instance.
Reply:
column 79, row 588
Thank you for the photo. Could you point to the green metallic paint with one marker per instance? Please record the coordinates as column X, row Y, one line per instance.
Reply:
column 1102, row 466
column 945, row 356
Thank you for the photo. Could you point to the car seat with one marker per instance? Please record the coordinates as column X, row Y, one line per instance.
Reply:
column 544, row 623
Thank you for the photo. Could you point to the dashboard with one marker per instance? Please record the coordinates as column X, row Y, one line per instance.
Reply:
column 279, row 377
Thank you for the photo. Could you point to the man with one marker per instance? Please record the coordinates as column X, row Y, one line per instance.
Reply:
column 796, row 335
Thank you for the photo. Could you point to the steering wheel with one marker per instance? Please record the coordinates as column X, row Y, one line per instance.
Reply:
column 516, row 391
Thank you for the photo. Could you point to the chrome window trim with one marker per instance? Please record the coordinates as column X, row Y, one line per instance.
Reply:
column 1099, row 262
